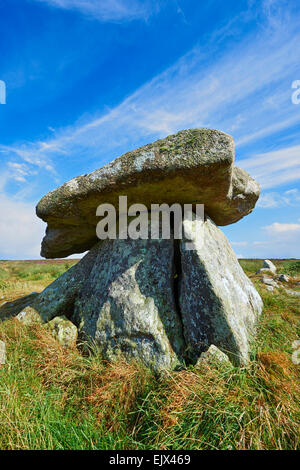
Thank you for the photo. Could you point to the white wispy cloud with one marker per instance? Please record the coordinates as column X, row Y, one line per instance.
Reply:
column 281, row 240
column 286, row 229
column 272, row 169
column 20, row 230
column 271, row 200
column 108, row 10
column 239, row 243
column 18, row 171
column 245, row 90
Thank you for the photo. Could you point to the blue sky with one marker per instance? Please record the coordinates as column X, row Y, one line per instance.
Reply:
column 89, row 80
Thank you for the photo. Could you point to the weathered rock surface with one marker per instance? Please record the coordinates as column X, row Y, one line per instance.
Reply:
column 283, row 278
column 11, row 309
column 268, row 281
column 2, row 353
column 264, row 270
column 59, row 297
column 212, row 355
column 121, row 295
column 219, row 305
column 64, row 331
column 28, row 316
column 127, row 304
column 293, row 292
column 267, row 266
column 192, row 166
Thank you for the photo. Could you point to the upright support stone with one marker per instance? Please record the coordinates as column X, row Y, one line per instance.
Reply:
column 59, row 297
column 219, row 304
column 128, row 304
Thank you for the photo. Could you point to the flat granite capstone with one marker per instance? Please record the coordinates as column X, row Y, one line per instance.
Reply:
column 194, row 166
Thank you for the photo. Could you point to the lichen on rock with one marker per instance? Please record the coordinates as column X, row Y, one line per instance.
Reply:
column 64, row 331
column 219, row 304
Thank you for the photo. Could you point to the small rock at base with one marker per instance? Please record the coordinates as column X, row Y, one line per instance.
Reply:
column 270, row 288
column 265, row 270
column 292, row 292
column 64, row 331
column 269, row 281
column 283, row 278
column 2, row 353
column 213, row 354
column 28, row 316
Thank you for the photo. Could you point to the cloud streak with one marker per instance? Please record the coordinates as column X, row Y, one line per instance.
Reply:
column 278, row 228
column 108, row 10
column 273, row 169
column 281, row 240
column 290, row 198
column 20, row 230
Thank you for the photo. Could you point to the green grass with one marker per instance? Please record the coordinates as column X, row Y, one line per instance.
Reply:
column 38, row 273
column 19, row 277
column 292, row 268
column 33, row 271
column 286, row 266
column 3, row 274
column 53, row 398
